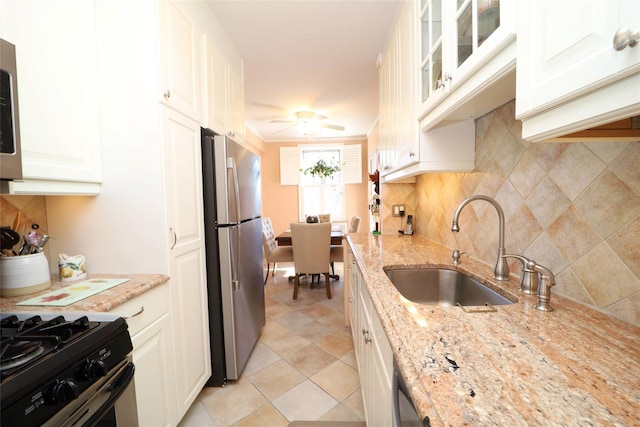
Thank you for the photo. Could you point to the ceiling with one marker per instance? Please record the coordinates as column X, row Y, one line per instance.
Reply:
column 302, row 55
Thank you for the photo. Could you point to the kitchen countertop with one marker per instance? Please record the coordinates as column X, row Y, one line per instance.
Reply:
column 516, row 366
column 103, row 301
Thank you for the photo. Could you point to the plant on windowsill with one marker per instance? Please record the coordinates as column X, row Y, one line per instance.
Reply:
column 321, row 170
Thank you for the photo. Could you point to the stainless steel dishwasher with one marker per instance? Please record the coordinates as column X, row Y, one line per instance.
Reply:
column 404, row 411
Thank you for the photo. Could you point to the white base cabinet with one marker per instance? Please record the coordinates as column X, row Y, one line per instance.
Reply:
column 150, row 329
column 373, row 352
column 569, row 76
column 185, row 221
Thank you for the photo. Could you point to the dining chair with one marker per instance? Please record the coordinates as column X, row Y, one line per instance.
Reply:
column 311, row 249
column 272, row 252
column 336, row 252
column 324, row 217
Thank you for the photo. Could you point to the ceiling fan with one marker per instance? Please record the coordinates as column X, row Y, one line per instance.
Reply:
column 308, row 122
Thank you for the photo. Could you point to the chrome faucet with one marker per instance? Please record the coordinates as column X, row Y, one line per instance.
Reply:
column 529, row 278
column 547, row 280
column 501, row 270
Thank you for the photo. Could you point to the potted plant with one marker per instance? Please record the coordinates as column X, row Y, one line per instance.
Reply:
column 321, row 170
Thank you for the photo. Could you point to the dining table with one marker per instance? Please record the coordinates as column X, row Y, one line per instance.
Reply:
column 284, row 238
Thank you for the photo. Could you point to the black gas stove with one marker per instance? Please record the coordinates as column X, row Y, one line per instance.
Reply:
column 52, row 363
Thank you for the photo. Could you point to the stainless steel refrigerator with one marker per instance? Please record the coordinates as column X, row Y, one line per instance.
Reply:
column 233, row 233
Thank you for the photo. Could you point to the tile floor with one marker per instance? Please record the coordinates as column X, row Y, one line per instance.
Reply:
column 302, row 368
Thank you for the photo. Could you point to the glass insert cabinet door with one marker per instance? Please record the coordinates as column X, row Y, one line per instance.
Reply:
column 451, row 31
column 431, row 60
column 476, row 20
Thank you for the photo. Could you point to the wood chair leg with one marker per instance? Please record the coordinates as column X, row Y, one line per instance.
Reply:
column 328, row 280
column 273, row 273
column 266, row 276
column 296, row 283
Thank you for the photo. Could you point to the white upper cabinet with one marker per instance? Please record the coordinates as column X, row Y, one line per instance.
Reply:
column 467, row 58
column 223, row 103
column 58, row 95
column 570, row 76
column 179, row 78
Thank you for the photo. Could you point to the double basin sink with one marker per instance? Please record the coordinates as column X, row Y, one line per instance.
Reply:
column 440, row 286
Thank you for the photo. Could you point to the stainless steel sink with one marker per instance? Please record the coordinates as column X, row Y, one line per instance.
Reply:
column 438, row 286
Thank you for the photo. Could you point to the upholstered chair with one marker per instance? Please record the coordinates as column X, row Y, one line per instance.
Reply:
column 272, row 252
column 311, row 246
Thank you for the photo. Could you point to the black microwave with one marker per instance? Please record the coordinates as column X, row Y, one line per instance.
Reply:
column 10, row 157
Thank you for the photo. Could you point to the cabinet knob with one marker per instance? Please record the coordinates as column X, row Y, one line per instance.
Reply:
column 624, row 37
column 167, row 94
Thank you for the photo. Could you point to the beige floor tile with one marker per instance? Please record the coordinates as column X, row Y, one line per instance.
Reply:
column 350, row 359
column 313, row 331
column 285, row 344
column 282, row 362
column 293, row 320
column 276, row 379
column 341, row 413
column 310, row 359
column 337, row 344
column 355, row 404
column 261, row 357
column 338, row 379
column 317, row 311
column 227, row 405
column 306, row 401
column 263, row 417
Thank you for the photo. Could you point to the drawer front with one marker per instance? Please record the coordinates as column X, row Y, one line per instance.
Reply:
column 144, row 309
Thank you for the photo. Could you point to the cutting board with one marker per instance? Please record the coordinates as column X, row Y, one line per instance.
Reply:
column 73, row 293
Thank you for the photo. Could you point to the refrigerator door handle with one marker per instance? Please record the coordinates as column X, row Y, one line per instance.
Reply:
column 235, row 279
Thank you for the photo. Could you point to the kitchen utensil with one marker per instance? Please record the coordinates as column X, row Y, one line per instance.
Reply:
column 9, row 238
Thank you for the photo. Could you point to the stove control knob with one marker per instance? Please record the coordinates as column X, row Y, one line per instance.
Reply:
column 64, row 391
column 93, row 369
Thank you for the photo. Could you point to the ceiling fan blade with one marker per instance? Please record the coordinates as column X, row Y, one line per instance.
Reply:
column 283, row 121
column 285, row 129
column 330, row 126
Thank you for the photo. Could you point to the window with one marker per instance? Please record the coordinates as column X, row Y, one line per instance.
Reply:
column 315, row 196
column 321, row 195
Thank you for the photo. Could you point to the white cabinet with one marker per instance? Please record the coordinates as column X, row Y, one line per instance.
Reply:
column 58, row 94
column 223, row 103
column 150, row 329
column 373, row 352
column 570, row 77
column 467, row 58
column 179, row 78
column 185, row 227
column 445, row 64
column 398, row 122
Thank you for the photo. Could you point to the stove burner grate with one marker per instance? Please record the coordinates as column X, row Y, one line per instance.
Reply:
column 25, row 341
column 19, row 353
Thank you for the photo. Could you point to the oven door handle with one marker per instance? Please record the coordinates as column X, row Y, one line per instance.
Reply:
column 116, row 388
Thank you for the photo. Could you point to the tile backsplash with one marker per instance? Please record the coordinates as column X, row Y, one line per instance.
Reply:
column 573, row 207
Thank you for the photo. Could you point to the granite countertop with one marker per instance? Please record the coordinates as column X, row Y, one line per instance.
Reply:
column 103, row 301
column 516, row 366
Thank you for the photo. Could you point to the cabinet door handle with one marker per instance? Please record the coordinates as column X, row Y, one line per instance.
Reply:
column 624, row 37
column 167, row 94
column 175, row 238
column 137, row 313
